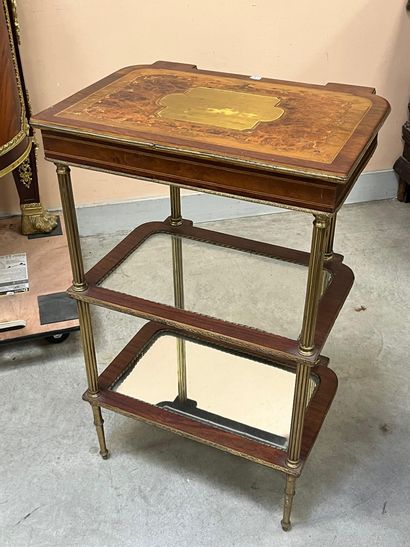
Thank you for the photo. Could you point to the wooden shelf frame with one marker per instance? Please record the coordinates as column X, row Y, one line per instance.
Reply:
column 228, row 441
column 197, row 324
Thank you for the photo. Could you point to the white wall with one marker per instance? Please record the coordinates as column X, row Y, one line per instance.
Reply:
column 68, row 44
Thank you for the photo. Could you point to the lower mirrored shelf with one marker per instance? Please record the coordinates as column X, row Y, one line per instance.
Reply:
column 235, row 401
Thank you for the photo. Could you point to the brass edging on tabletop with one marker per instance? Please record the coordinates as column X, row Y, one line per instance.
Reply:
column 24, row 127
column 18, row 161
column 193, row 188
column 315, row 174
column 296, row 472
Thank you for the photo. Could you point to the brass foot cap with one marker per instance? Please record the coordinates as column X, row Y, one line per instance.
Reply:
column 105, row 455
column 286, row 526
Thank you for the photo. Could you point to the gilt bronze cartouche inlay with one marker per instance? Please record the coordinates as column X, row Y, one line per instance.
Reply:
column 220, row 108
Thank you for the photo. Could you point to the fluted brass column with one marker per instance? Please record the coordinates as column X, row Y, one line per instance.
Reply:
column 313, row 289
column 79, row 284
column 178, row 275
column 175, row 198
column 330, row 238
column 306, row 347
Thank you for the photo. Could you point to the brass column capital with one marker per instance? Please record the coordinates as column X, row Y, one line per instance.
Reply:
column 62, row 169
column 321, row 221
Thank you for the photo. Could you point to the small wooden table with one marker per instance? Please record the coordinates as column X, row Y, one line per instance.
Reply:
column 291, row 145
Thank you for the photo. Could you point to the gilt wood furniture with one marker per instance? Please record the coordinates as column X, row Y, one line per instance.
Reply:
column 292, row 145
column 17, row 146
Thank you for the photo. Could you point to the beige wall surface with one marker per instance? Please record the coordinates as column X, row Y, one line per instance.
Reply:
column 68, row 44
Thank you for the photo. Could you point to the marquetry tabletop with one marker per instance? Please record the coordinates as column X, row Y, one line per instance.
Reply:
column 319, row 131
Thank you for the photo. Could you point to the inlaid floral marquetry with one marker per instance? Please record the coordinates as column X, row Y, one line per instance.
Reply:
column 319, row 131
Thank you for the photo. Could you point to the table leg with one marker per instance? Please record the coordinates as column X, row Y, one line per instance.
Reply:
column 330, row 237
column 328, row 251
column 306, row 347
column 79, row 284
column 313, row 290
column 287, row 505
column 178, row 276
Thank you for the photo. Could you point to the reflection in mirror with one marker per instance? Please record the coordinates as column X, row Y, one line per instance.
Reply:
column 229, row 284
column 230, row 390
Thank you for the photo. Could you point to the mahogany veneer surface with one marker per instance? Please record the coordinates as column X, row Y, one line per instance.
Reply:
column 329, row 307
column 263, row 139
column 205, row 432
column 313, row 127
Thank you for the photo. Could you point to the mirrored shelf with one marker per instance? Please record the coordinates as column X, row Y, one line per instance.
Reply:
column 217, row 282
column 235, row 401
column 186, row 276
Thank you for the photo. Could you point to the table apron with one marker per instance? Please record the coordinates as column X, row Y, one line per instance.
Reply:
column 205, row 175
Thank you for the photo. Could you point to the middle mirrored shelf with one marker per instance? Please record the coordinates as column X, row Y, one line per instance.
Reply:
column 230, row 284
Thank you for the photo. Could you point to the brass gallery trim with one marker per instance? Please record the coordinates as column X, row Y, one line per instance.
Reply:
column 315, row 174
column 290, row 471
column 208, row 241
column 18, row 161
column 267, row 351
column 24, row 127
column 193, row 188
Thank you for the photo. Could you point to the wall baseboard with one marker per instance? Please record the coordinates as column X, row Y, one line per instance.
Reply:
column 124, row 216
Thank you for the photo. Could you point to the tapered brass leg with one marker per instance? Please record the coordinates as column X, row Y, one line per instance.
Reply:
column 287, row 506
column 178, row 275
column 79, row 284
column 306, row 347
column 98, row 422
